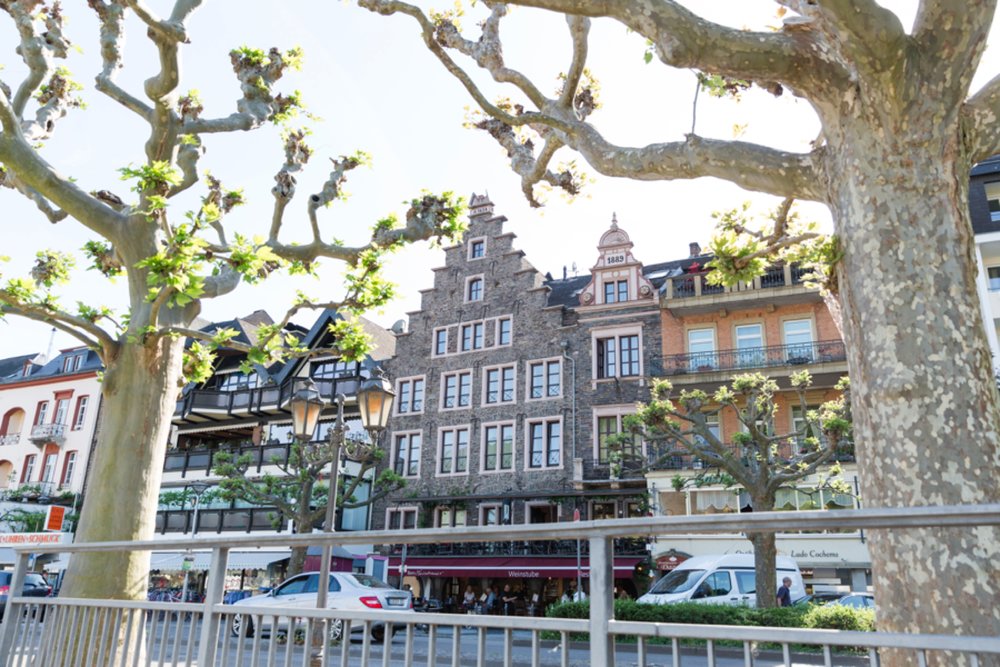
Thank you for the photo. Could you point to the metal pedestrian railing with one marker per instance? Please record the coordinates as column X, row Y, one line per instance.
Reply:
column 60, row 631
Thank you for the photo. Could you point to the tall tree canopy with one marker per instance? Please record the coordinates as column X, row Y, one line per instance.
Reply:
column 900, row 131
column 170, row 261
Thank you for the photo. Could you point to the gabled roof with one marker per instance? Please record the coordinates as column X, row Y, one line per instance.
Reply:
column 14, row 365
column 565, row 292
column 91, row 362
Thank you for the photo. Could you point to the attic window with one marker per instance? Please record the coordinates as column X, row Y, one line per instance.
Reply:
column 73, row 363
column 477, row 248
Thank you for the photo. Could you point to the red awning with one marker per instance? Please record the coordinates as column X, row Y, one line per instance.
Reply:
column 506, row 567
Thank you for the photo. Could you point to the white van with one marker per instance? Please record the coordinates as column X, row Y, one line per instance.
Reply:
column 720, row 579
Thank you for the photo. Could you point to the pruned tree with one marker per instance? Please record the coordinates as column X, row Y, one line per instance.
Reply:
column 170, row 262
column 758, row 458
column 297, row 493
column 900, row 131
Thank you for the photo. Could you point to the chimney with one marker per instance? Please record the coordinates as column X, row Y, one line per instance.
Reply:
column 695, row 249
column 564, row 272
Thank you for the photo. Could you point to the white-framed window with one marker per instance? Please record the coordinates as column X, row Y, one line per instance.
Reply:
column 544, row 379
column 440, row 342
column 472, row 336
column 41, row 412
column 453, row 451
column 401, row 518
column 406, row 453
column 49, row 468
column 503, row 334
column 798, row 339
column 411, row 395
column 618, row 355
column 499, row 385
column 474, row 288
column 329, row 369
column 544, row 443
column 456, row 390
column 450, row 517
column 749, row 344
column 69, row 467
column 609, row 422
column 62, row 408
column 701, row 349
column 29, row 468
column 477, row 248
column 489, row 515
column 616, row 291
column 498, row 447
column 993, row 278
column 603, row 509
column 993, row 199
column 80, row 418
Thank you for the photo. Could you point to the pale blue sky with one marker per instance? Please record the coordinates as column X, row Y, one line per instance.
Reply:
column 377, row 88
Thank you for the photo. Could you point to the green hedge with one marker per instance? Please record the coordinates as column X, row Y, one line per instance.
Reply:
column 830, row 617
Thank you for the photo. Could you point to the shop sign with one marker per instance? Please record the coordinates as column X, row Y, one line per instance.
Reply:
column 669, row 561
column 18, row 539
column 54, row 518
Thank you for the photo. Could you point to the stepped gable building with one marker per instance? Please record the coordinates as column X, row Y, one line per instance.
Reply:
column 508, row 384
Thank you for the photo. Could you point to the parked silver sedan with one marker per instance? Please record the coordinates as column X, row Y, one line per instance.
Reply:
column 346, row 591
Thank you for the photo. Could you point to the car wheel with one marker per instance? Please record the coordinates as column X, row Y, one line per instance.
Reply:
column 378, row 633
column 238, row 621
column 336, row 629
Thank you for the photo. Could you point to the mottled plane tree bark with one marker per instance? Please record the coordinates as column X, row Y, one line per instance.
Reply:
column 900, row 132
column 169, row 261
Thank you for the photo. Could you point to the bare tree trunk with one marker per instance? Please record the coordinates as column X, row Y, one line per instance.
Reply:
column 303, row 526
column 764, row 558
column 139, row 391
column 924, row 404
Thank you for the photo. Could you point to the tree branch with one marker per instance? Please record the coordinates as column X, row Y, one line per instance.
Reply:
column 10, row 180
column 112, row 17
column 950, row 39
column 748, row 165
column 981, row 122
column 89, row 333
column 34, row 172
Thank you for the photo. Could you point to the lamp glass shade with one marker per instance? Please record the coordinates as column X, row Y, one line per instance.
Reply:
column 375, row 403
column 305, row 404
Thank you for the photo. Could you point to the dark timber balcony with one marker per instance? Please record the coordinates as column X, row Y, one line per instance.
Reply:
column 199, row 405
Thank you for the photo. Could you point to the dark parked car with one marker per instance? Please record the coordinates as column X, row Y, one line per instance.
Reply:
column 858, row 601
column 35, row 586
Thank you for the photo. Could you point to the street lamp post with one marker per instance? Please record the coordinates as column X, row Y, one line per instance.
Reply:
column 374, row 403
column 198, row 489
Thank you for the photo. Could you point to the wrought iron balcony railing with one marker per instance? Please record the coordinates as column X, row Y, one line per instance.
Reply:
column 43, row 434
column 691, row 285
column 10, row 439
column 797, row 354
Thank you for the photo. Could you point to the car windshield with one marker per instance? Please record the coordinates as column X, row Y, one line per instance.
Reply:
column 677, row 581
column 370, row 581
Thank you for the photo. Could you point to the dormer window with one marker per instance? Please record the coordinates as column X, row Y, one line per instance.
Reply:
column 477, row 248
column 72, row 363
column 474, row 289
column 616, row 291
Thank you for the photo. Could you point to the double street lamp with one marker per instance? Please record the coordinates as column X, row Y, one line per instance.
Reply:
column 375, row 398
